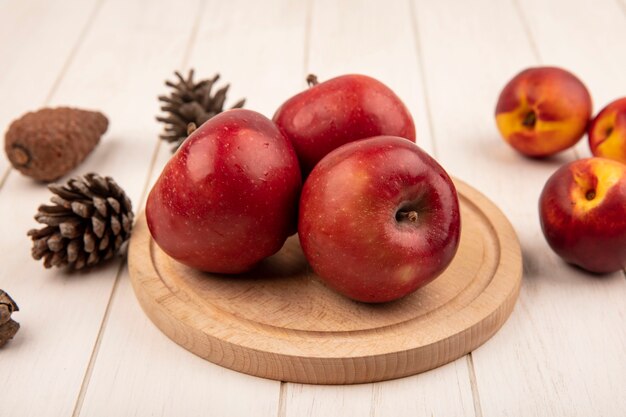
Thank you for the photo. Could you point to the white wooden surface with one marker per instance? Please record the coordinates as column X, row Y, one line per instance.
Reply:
column 85, row 347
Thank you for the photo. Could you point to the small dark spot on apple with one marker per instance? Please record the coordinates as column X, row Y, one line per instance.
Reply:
column 608, row 131
column 590, row 195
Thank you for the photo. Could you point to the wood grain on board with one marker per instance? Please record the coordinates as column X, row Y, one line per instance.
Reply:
column 280, row 322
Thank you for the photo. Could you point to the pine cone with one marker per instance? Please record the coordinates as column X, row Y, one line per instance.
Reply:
column 89, row 221
column 8, row 326
column 190, row 103
column 49, row 143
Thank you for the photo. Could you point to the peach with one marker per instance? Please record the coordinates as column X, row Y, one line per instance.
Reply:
column 542, row 111
column 607, row 132
column 583, row 214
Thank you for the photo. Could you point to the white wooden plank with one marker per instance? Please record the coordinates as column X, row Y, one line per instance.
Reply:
column 136, row 44
column 445, row 391
column 140, row 372
column 162, row 378
column 259, row 48
column 328, row 400
column 365, row 37
column 561, row 352
column 35, row 35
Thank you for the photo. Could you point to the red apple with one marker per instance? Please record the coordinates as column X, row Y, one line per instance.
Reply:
column 379, row 218
column 607, row 132
column 228, row 197
column 338, row 111
column 542, row 111
column 583, row 214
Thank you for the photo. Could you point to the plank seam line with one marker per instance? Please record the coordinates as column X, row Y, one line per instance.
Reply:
column 376, row 394
column 5, row 176
column 70, row 58
column 282, row 400
column 96, row 347
column 144, row 191
column 478, row 412
column 422, row 70
column 308, row 22
column 193, row 36
column 185, row 62
column 526, row 27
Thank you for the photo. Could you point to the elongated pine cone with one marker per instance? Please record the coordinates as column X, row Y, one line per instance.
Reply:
column 89, row 220
column 190, row 103
column 50, row 142
column 8, row 326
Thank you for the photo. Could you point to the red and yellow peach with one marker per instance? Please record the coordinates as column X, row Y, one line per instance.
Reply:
column 607, row 132
column 542, row 111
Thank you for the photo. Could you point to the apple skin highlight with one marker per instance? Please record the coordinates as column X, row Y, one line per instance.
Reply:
column 379, row 218
column 228, row 197
column 338, row 111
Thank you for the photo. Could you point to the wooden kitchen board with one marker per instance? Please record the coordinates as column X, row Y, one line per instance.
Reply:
column 281, row 322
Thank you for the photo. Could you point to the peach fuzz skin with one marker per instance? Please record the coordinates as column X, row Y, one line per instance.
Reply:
column 583, row 214
column 607, row 132
column 542, row 111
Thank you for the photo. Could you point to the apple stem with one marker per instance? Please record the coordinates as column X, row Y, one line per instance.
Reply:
column 530, row 119
column 407, row 215
column 191, row 127
column 591, row 194
column 311, row 80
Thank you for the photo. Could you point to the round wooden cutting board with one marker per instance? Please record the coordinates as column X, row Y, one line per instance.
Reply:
column 281, row 322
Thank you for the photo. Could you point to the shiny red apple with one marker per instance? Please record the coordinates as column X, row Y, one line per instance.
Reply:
column 379, row 218
column 583, row 214
column 228, row 197
column 338, row 111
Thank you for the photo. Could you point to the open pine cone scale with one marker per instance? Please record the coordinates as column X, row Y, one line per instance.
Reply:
column 191, row 102
column 89, row 220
